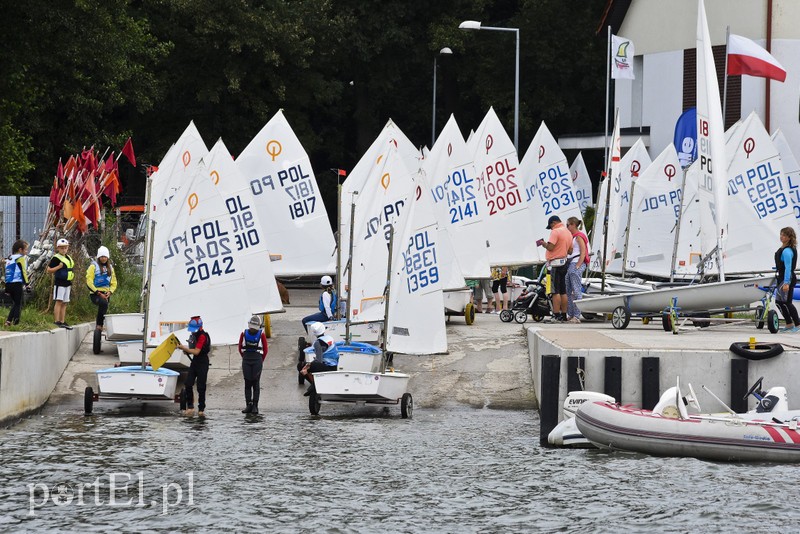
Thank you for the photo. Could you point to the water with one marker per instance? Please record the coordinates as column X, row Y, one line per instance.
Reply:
column 442, row 471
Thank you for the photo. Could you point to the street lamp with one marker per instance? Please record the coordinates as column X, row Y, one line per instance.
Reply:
column 445, row 50
column 475, row 25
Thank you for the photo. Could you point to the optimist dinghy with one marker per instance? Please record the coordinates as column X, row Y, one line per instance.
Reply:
column 768, row 434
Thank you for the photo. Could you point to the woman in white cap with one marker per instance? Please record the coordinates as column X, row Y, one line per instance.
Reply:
column 253, row 350
column 327, row 303
column 61, row 267
column 102, row 282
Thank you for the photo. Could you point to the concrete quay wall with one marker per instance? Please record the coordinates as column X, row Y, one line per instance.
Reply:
column 31, row 364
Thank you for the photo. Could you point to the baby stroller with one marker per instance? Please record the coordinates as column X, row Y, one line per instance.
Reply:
column 533, row 301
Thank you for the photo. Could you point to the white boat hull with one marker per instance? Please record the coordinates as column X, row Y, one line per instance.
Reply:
column 365, row 333
column 355, row 386
column 723, row 437
column 456, row 300
column 135, row 382
column 691, row 298
column 124, row 326
column 130, row 353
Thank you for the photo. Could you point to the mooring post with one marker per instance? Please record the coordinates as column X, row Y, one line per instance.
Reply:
column 650, row 382
column 612, row 384
column 739, row 384
column 548, row 401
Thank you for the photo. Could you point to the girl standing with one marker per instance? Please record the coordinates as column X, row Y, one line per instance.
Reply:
column 16, row 279
column 785, row 264
column 102, row 282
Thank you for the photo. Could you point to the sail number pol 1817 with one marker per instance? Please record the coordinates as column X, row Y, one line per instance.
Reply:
column 421, row 266
column 296, row 184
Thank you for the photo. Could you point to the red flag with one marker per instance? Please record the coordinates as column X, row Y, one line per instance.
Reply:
column 746, row 57
column 60, row 171
column 127, row 151
column 111, row 164
column 342, row 172
column 112, row 188
column 77, row 214
column 70, row 167
column 54, row 193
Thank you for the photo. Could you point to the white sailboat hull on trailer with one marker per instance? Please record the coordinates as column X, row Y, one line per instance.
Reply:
column 699, row 297
column 355, row 386
column 133, row 381
column 456, row 300
column 124, row 326
column 369, row 332
column 130, row 353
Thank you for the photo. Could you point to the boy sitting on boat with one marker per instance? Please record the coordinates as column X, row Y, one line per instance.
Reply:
column 326, row 355
column 327, row 303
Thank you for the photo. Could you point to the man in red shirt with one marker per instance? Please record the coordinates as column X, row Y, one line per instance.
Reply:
column 559, row 246
column 199, row 347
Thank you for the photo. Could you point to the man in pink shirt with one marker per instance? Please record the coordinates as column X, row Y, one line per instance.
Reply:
column 559, row 246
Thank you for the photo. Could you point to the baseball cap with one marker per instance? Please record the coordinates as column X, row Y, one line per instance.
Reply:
column 317, row 328
column 551, row 220
column 62, row 242
column 254, row 323
column 195, row 324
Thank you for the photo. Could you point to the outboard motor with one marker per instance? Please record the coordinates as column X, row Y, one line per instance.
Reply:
column 576, row 398
column 775, row 400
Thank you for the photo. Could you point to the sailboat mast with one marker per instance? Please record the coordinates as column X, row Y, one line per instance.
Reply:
column 146, row 297
column 628, row 230
column 387, row 291
column 338, row 247
column 678, row 228
column 349, row 268
column 147, row 237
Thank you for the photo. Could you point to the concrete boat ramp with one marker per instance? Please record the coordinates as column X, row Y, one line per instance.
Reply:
column 490, row 364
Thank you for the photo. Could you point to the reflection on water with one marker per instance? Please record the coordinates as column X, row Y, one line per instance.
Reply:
column 443, row 471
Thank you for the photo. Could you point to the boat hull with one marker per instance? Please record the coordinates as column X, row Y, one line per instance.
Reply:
column 124, row 326
column 130, row 353
column 135, row 382
column 456, row 300
column 723, row 437
column 365, row 333
column 693, row 298
column 355, row 386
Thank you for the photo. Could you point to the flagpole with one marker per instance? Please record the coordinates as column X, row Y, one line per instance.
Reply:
column 608, row 84
column 725, row 83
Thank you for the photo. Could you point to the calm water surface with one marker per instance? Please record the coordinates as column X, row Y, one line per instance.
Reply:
column 442, row 471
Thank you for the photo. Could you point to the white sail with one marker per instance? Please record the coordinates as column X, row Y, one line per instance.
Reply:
column 635, row 161
column 549, row 189
column 758, row 195
column 710, row 148
column 512, row 239
column 582, row 183
column 600, row 246
column 689, row 253
column 450, row 180
column 655, row 214
column 210, row 256
column 416, row 323
column 359, row 175
column 791, row 169
column 175, row 169
column 288, row 201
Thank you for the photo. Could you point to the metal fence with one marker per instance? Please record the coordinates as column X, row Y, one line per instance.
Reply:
column 25, row 223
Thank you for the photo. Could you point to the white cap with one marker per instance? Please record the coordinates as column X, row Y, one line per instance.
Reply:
column 317, row 329
column 103, row 252
column 62, row 242
column 254, row 323
column 326, row 281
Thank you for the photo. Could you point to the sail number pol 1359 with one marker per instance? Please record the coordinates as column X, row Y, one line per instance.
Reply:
column 421, row 266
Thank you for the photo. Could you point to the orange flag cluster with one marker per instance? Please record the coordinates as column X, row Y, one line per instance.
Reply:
column 81, row 182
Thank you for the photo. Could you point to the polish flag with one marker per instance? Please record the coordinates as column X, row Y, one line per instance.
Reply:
column 746, row 57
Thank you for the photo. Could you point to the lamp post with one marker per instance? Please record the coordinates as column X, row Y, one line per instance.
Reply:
column 475, row 25
column 445, row 50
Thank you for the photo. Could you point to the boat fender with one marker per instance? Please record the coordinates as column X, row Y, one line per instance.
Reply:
column 760, row 351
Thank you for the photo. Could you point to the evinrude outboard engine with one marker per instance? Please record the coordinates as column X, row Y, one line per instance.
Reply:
column 775, row 400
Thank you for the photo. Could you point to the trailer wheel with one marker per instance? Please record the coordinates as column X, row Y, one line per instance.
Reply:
column 469, row 313
column 666, row 321
column 88, row 400
column 760, row 351
column 406, row 406
column 506, row 316
column 97, row 339
column 620, row 318
column 313, row 401
column 760, row 317
column 773, row 321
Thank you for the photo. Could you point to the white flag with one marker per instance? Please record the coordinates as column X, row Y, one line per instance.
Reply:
column 621, row 58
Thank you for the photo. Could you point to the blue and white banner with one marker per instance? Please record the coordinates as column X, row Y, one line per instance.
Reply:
column 686, row 137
